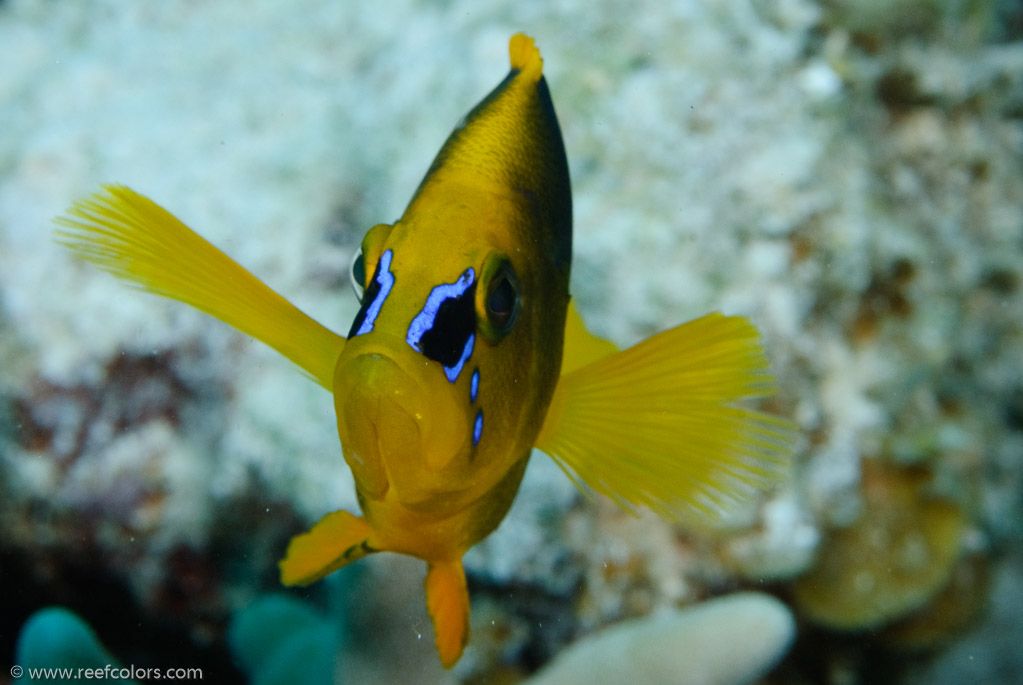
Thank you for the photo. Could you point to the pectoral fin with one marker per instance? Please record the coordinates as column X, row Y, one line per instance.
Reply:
column 658, row 424
column 447, row 600
column 337, row 540
column 134, row 238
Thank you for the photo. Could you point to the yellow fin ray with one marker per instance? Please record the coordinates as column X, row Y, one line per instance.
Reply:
column 338, row 539
column 658, row 424
column 134, row 238
column 447, row 600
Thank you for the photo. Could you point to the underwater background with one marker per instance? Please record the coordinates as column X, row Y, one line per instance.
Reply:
column 847, row 174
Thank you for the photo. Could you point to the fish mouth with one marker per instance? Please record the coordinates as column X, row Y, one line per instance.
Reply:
column 398, row 423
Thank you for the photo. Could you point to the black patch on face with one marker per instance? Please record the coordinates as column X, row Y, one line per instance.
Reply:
column 445, row 340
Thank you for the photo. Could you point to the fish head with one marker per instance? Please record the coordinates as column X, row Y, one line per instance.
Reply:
column 451, row 361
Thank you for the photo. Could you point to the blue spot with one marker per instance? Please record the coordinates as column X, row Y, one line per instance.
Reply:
column 383, row 282
column 477, row 428
column 474, row 385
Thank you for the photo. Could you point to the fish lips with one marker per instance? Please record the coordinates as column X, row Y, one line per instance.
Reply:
column 399, row 422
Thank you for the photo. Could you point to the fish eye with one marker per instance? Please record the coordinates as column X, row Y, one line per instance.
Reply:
column 502, row 297
column 357, row 273
column 370, row 252
column 502, row 303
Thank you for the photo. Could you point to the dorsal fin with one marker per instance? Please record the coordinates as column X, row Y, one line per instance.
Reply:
column 512, row 141
column 525, row 56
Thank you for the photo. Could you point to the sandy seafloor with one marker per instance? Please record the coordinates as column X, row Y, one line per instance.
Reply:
column 849, row 175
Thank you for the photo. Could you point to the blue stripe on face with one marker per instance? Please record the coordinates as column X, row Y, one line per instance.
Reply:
column 452, row 371
column 477, row 428
column 424, row 320
column 474, row 385
column 384, row 281
column 444, row 330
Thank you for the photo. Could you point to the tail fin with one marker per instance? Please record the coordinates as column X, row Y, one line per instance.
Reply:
column 656, row 424
column 447, row 600
column 136, row 239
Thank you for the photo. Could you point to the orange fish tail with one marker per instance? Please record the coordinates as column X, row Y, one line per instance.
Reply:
column 447, row 600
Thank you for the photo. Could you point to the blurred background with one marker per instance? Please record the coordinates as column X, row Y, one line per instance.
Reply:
column 847, row 174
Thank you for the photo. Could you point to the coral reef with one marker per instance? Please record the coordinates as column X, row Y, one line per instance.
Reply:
column 278, row 639
column 55, row 638
column 696, row 645
column 895, row 558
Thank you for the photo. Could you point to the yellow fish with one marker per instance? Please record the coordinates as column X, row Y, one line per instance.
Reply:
column 466, row 354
